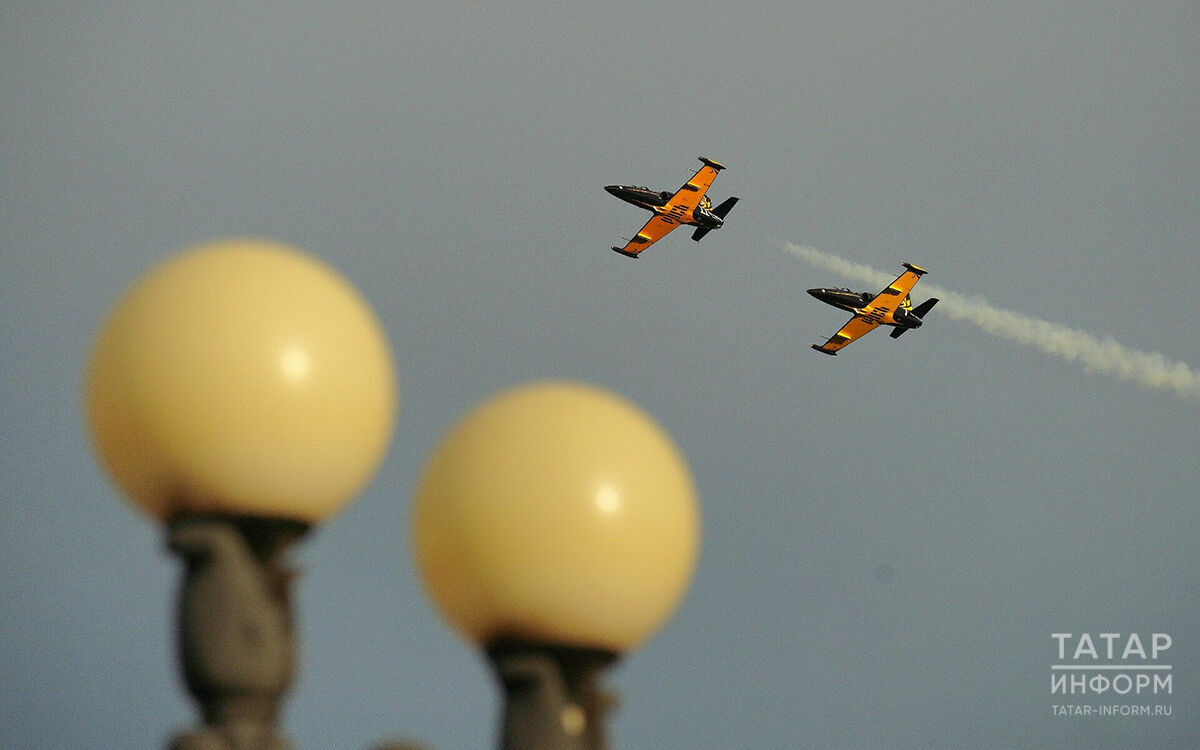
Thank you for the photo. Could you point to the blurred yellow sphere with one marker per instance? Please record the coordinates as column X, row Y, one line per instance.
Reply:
column 244, row 377
column 557, row 513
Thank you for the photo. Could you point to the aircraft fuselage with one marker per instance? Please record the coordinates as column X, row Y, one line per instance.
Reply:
column 659, row 203
column 891, row 312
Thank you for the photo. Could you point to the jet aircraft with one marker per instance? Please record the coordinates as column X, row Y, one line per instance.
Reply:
column 688, row 205
column 891, row 307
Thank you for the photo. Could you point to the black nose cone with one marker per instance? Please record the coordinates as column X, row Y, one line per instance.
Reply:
column 828, row 296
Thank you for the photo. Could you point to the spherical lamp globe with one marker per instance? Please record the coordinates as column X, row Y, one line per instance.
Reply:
column 556, row 513
column 241, row 377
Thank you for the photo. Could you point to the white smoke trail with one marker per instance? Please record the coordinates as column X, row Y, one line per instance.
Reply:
column 1095, row 354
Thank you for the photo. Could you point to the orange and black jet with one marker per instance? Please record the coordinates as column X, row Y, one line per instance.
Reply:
column 891, row 307
column 688, row 205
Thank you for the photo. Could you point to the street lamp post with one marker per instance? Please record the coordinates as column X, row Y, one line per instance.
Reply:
column 239, row 393
column 555, row 526
column 235, row 636
column 552, row 695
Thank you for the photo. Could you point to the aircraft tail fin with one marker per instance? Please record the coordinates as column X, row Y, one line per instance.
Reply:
column 725, row 207
column 920, row 311
column 720, row 212
column 925, row 307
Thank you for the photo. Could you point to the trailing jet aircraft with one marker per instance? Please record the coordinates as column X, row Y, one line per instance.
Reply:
column 688, row 205
column 891, row 307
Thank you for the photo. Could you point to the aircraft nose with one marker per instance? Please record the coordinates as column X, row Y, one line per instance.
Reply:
column 825, row 295
column 612, row 189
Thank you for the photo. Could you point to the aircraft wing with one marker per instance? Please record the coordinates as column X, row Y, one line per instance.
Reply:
column 896, row 293
column 856, row 328
column 658, row 227
column 693, row 191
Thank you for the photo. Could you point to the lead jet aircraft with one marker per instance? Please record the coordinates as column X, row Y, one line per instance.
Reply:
column 891, row 307
column 688, row 205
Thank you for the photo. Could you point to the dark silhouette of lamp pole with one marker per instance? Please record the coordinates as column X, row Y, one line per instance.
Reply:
column 239, row 393
column 555, row 526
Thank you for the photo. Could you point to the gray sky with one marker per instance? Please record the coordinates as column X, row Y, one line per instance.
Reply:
column 890, row 537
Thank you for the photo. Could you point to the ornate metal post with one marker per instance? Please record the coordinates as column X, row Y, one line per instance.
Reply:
column 553, row 699
column 236, row 644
